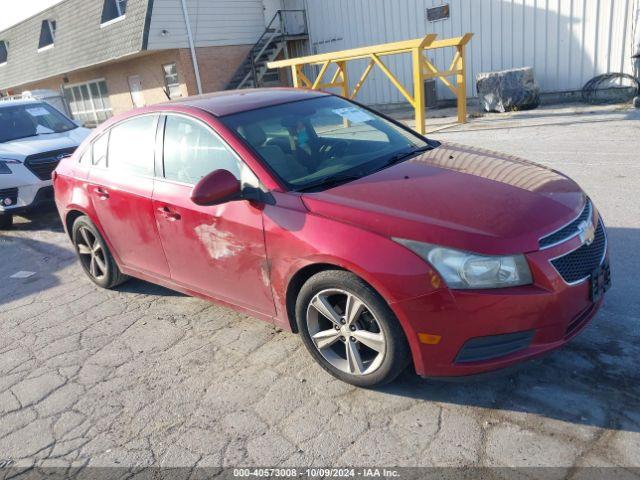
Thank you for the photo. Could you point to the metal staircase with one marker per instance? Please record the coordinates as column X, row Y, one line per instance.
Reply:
column 253, row 72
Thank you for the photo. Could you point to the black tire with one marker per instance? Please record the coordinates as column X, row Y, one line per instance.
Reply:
column 396, row 353
column 6, row 222
column 110, row 276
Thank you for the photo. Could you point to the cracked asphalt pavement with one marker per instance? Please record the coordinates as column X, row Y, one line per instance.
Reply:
column 144, row 376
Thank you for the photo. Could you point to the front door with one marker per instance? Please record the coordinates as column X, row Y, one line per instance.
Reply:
column 135, row 88
column 216, row 250
column 120, row 186
column 270, row 7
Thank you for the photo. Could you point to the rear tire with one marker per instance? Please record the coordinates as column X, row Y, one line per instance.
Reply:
column 350, row 330
column 94, row 255
column 6, row 222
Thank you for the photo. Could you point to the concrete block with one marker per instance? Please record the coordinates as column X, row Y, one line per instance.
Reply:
column 508, row 90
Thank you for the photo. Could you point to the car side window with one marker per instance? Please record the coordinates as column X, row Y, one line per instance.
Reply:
column 100, row 150
column 132, row 146
column 192, row 151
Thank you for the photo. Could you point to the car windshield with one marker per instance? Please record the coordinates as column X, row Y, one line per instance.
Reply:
column 318, row 143
column 31, row 119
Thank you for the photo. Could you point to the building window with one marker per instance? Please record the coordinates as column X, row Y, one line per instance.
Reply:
column 47, row 34
column 171, row 82
column 113, row 10
column 89, row 102
column 3, row 52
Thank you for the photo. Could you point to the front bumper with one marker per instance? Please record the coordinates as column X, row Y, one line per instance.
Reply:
column 485, row 330
column 551, row 319
column 26, row 198
column 27, row 188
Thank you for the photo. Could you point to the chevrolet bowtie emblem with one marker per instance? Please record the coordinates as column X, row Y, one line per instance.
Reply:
column 587, row 232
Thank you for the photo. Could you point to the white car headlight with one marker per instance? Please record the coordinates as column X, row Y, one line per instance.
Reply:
column 467, row 270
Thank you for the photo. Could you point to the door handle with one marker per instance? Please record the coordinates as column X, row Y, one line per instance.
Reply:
column 168, row 214
column 102, row 193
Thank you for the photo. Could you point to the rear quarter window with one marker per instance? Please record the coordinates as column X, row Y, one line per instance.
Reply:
column 87, row 156
column 99, row 151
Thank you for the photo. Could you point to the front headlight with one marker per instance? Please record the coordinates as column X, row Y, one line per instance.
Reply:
column 461, row 269
column 7, row 161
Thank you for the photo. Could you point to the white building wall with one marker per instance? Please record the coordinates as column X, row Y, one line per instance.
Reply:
column 566, row 41
column 213, row 22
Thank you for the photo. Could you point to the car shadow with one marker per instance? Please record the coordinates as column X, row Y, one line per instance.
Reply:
column 46, row 218
column 40, row 261
column 593, row 381
column 135, row 285
column 34, row 266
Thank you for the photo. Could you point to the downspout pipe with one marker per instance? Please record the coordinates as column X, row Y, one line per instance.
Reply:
column 636, row 50
column 192, row 47
column 636, row 33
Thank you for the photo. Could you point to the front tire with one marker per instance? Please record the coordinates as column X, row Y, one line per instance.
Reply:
column 350, row 330
column 6, row 222
column 95, row 257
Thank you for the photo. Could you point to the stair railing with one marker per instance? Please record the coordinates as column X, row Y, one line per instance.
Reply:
column 277, row 31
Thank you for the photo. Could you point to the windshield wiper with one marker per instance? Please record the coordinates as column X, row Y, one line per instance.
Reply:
column 331, row 181
column 398, row 157
column 337, row 179
column 58, row 131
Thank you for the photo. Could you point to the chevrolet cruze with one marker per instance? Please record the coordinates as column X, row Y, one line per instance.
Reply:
column 378, row 246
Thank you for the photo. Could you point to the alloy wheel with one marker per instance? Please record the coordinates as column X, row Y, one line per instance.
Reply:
column 346, row 332
column 91, row 253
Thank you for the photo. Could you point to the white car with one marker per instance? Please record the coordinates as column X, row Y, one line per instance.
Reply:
column 34, row 137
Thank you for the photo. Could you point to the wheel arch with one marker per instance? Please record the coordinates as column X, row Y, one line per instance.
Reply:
column 73, row 213
column 298, row 279
column 304, row 273
column 71, row 216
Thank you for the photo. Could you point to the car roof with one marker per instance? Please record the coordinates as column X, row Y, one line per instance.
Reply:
column 229, row 102
column 13, row 103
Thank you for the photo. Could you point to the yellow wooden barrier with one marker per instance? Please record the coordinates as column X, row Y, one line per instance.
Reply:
column 422, row 69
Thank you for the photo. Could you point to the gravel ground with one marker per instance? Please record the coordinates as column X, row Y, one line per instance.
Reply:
column 144, row 376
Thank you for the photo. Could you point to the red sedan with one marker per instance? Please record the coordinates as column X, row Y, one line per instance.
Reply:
column 379, row 246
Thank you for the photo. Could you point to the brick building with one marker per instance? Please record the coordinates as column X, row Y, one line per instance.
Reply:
column 108, row 56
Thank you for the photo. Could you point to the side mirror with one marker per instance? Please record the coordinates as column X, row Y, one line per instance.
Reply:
column 79, row 123
column 220, row 186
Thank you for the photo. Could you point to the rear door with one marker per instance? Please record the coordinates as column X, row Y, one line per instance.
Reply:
column 216, row 250
column 121, row 185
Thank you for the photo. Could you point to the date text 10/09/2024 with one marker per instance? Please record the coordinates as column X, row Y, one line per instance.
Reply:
column 316, row 472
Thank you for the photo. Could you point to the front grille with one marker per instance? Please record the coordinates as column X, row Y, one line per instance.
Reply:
column 486, row 348
column 568, row 231
column 8, row 196
column 579, row 264
column 43, row 164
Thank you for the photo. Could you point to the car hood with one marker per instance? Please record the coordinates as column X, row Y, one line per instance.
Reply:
column 460, row 197
column 23, row 147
